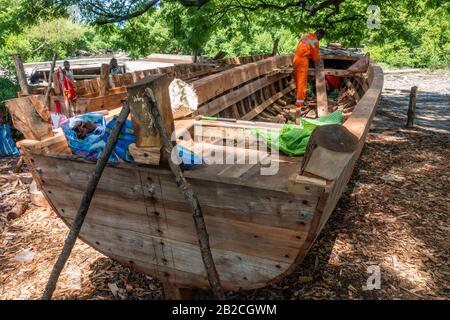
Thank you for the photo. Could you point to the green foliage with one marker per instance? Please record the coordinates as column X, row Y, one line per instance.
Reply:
column 8, row 90
column 38, row 42
column 15, row 17
column 413, row 34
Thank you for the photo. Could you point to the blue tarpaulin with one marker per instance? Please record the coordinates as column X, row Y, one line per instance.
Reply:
column 7, row 145
column 93, row 144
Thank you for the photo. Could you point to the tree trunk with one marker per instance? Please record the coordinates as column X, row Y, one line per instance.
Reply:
column 85, row 203
column 21, row 77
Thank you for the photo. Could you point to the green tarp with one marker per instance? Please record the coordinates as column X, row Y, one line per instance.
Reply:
column 292, row 139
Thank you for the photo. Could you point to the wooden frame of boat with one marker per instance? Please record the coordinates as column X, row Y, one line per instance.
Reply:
column 260, row 226
column 107, row 92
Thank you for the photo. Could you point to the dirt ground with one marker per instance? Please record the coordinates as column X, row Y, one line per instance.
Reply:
column 394, row 215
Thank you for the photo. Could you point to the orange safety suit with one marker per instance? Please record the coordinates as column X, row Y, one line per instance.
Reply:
column 308, row 47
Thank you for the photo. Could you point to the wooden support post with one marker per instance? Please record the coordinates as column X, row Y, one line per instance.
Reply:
column 147, row 137
column 190, row 196
column 275, row 46
column 104, row 79
column 412, row 107
column 21, row 77
column 85, row 203
column 50, row 78
column 321, row 90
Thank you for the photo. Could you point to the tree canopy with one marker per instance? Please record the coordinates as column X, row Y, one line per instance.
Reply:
column 409, row 33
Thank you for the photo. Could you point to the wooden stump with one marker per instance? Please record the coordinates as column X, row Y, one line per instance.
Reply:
column 412, row 107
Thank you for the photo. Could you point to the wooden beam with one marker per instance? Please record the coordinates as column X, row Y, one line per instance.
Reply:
column 227, row 100
column 214, row 85
column 321, row 90
column 146, row 134
column 104, row 79
column 338, row 57
column 146, row 155
column 250, row 115
column 312, row 72
column 21, row 77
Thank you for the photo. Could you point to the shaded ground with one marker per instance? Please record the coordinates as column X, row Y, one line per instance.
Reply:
column 394, row 215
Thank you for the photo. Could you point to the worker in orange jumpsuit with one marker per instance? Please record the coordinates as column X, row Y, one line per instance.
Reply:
column 308, row 47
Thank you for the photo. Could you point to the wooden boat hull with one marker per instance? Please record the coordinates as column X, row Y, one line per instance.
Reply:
column 260, row 227
column 140, row 218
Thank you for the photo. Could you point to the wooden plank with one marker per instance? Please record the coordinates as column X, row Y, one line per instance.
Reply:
column 108, row 102
column 145, row 155
column 321, row 90
column 312, row 72
column 241, row 124
column 104, row 79
column 214, row 85
column 268, row 102
column 223, row 102
column 235, row 112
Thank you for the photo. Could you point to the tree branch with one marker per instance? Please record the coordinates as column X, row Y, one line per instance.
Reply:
column 128, row 16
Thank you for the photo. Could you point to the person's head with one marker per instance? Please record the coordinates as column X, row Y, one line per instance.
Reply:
column 320, row 33
column 67, row 65
column 113, row 62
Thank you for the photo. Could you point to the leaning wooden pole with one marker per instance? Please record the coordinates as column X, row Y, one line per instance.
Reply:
column 21, row 77
column 85, row 203
column 50, row 78
column 190, row 196
column 412, row 107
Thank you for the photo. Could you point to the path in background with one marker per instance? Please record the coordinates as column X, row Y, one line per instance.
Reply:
column 433, row 100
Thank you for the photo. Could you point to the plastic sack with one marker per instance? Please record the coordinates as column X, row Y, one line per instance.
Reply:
column 293, row 140
column 57, row 119
column 7, row 146
column 126, row 137
column 93, row 144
